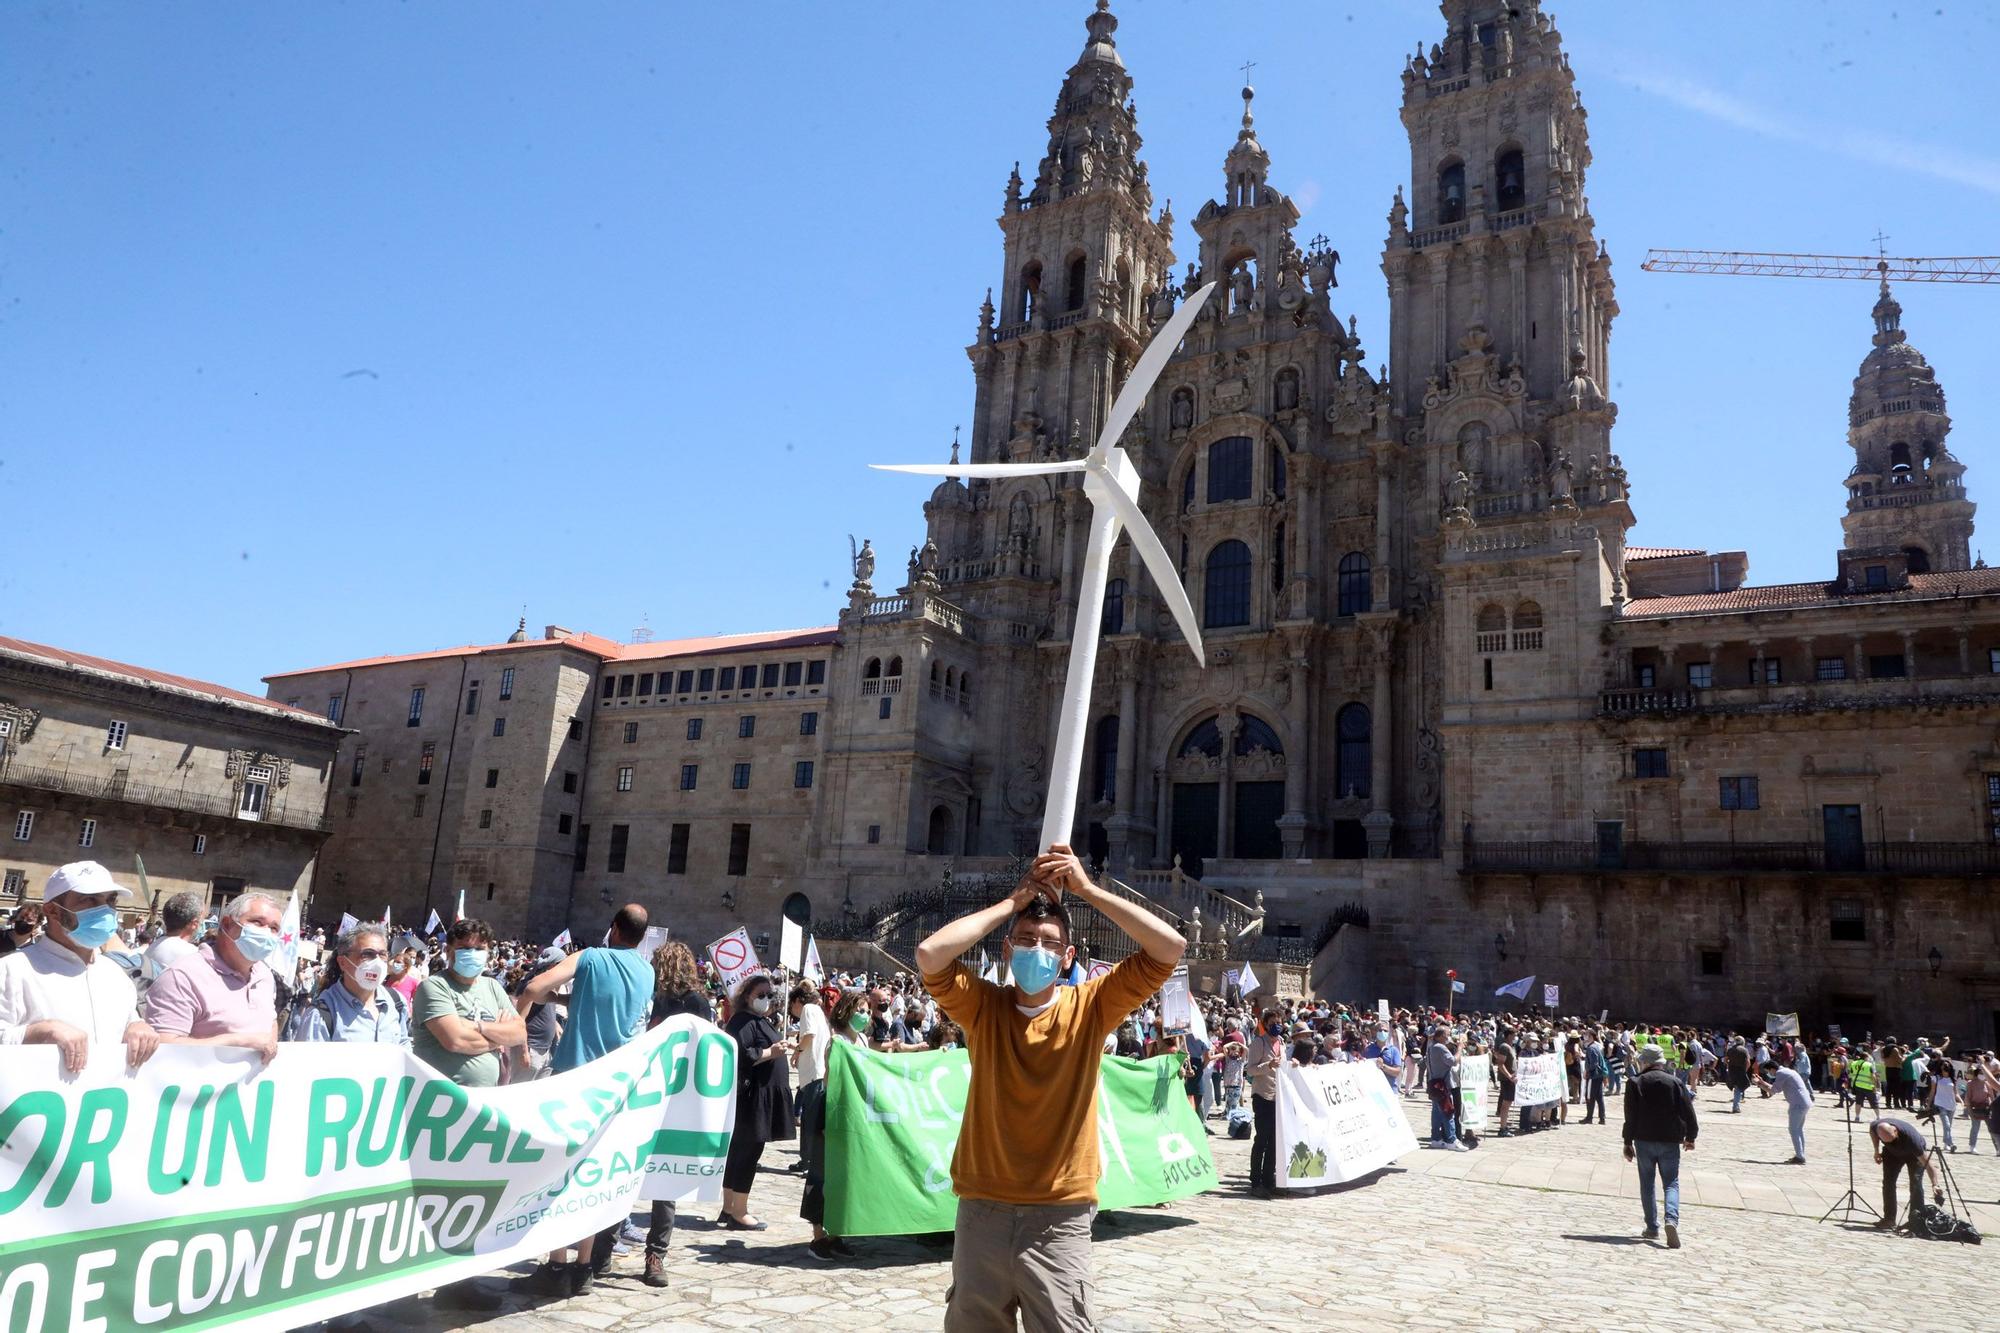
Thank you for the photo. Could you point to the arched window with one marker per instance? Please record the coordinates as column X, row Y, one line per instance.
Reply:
column 895, row 666
column 1528, row 628
column 798, row 908
column 1490, row 628
column 951, row 678
column 1226, row 594
column 1079, row 271
column 1919, row 561
column 1031, row 292
column 1277, row 472
column 1491, row 618
column 873, row 670
column 1451, row 193
column 965, row 686
column 1357, row 584
column 1104, row 768
column 1229, row 469
column 1204, row 740
column 1510, row 180
column 938, row 843
column 1355, row 760
column 936, row 673
column 1899, row 457
column 1254, row 733
column 1114, row 607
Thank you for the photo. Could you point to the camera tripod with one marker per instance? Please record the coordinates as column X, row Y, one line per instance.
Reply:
column 1850, row 1203
column 1950, row 1197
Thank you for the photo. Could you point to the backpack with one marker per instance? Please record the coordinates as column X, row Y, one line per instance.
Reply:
column 1934, row 1223
column 1240, row 1126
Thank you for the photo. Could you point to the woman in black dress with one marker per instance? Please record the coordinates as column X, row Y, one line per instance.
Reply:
column 763, row 1096
column 676, row 990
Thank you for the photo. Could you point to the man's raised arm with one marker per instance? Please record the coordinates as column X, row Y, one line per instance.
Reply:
column 1160, row 942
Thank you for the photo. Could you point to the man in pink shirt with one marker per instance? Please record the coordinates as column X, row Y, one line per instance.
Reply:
column 224, row 995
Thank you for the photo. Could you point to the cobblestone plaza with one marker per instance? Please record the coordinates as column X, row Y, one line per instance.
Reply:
column 1521, row 1233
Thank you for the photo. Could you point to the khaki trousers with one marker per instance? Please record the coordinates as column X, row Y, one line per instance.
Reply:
column 1030, row 1258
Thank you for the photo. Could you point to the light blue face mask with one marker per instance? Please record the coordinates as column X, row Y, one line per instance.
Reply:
column 95, row 926
column 468, row 963
column 1035, row 969
column 255, row 942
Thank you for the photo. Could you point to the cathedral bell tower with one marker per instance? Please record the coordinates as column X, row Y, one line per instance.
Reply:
column 1907, row 490
column 1501, row 298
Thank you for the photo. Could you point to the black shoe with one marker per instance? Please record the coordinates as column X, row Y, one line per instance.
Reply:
column 738, row 1224
column 821, row 1251
column 1651, row 1233
column 656, row 1270
column 546, row 1280
column 842, row 1248
column 582, row 1277
column 1673, row 1236
column 469, row 1294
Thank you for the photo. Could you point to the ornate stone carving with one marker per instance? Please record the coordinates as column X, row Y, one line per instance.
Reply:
column 22, row 720
column 236, row 766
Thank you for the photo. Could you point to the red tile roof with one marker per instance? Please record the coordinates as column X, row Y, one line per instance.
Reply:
column 603, row 649
column 156, row 679
column 1792, row 596
column 1660, row 552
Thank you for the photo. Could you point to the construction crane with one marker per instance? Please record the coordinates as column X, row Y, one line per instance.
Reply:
column 1868, row 268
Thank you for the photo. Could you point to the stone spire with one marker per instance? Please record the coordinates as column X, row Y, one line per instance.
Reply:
column 1906, row 490
column 1248, row 164
column 1094, row 133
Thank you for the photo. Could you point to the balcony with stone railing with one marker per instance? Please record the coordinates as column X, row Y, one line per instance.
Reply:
column 1802, row 697
column 118, row 788
column 1949, row 860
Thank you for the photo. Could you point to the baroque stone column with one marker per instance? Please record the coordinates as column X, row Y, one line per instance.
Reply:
column 1294, row 823
column 1125, row 799
column 1379, row 822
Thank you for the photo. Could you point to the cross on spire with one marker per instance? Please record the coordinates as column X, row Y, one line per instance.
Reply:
column 1248, row 65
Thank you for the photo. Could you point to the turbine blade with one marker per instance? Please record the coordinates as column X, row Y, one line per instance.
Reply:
column 1151, row 362
column 982, row 469
column 1158, row 563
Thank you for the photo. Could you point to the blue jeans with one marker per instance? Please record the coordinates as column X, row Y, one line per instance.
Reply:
column 1444, row 1125
column 1797, row 1115
column 1736, row 1098
column 1945, row 1119
column 1664, row 1158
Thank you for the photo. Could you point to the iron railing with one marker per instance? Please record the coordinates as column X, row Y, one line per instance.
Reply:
column 117, row 787
column 1882, row 858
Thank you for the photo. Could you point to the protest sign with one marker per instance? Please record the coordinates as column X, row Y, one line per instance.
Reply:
column 1337, row 1123
column 1540, row 1080
column 1781, row 1025
column 734, row 957
column 1551, row 995
column 347, row 922
column 1175, row 1008
column 791, row 944
column 892, row 1126
column 1382, row 1012
column 210, row 1187
column 1474, row 1091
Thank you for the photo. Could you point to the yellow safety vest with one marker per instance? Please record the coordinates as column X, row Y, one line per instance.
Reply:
column 1862, row 1073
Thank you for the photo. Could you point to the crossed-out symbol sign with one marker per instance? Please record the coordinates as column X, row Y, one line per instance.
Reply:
column 730, row 953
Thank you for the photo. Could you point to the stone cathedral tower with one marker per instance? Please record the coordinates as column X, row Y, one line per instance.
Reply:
column 1907, row 490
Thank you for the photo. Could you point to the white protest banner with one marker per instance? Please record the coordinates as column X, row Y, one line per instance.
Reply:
column 1382, row 1012
column 1473, row 1091
column 1174, row 1002
column 1337, row 1123
column 1781, row 1025
column 814, row 971
column 734, row 957
column 1551, row 995
column 1249, row 980
column 1540, row 1080
column 212, row 1188
column 347, row 922
column 791, row 945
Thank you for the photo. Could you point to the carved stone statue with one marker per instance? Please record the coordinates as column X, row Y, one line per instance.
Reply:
column 1183, row 409
column 1242, row 289
column 864, row 560
column 1458, row 500
column 1561, row 483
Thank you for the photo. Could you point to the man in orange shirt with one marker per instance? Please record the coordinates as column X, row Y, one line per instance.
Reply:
column 1025, row 1170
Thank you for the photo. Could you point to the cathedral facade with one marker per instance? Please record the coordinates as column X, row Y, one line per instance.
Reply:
column 1449, row 718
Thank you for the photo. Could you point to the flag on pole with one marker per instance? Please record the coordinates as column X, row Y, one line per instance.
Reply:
column 385, row 914
column 146, row 887
column 815, row 973
column 287, row 956
column 991, row 972
column 461, row 906
column 1248, row 981
column 1518, row 989
column 431, row 925
column 561, row 941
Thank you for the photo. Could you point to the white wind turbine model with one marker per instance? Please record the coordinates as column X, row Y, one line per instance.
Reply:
column 1112, row 484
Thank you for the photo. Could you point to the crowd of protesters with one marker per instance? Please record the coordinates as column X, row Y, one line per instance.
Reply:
column 80, row 972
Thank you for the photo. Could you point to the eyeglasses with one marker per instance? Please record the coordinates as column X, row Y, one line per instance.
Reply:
column 370, row 955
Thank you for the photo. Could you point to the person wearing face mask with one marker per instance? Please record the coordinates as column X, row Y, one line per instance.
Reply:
column 60, row 990
column 611, row 995
column 21, row 932
column 1266, row 1056
column 223, row 994
column 763, row 1095
column 1026, row 1166
column 356, row 1004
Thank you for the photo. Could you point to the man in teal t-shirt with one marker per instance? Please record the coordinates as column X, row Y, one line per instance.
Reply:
column 462, row 1019
column 608, row 1004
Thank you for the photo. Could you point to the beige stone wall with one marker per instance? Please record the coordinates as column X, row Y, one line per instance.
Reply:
column 178, row 776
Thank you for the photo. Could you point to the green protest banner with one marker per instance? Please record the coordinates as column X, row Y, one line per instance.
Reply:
column 892, row 1123
column 210, row 1188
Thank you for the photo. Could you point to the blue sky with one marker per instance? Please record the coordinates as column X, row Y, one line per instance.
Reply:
column 329, row 330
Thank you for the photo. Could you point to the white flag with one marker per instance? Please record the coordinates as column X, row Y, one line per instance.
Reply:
column 561, row 941
column 984, row 964
column 287, row 957
column 347, row 922
column 1198, row 1024
column 385, row 914
column 461, row 906
column 1248, row 981
column 431, row 924
column 815, row 973
column 992, row 973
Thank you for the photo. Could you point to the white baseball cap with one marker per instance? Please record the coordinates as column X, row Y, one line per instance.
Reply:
column 84, row 878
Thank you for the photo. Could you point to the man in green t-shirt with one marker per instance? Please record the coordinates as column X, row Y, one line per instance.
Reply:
column 460, row 1022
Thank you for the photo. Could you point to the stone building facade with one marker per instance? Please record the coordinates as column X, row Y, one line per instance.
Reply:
column 1450, row 719
column 214, row 790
